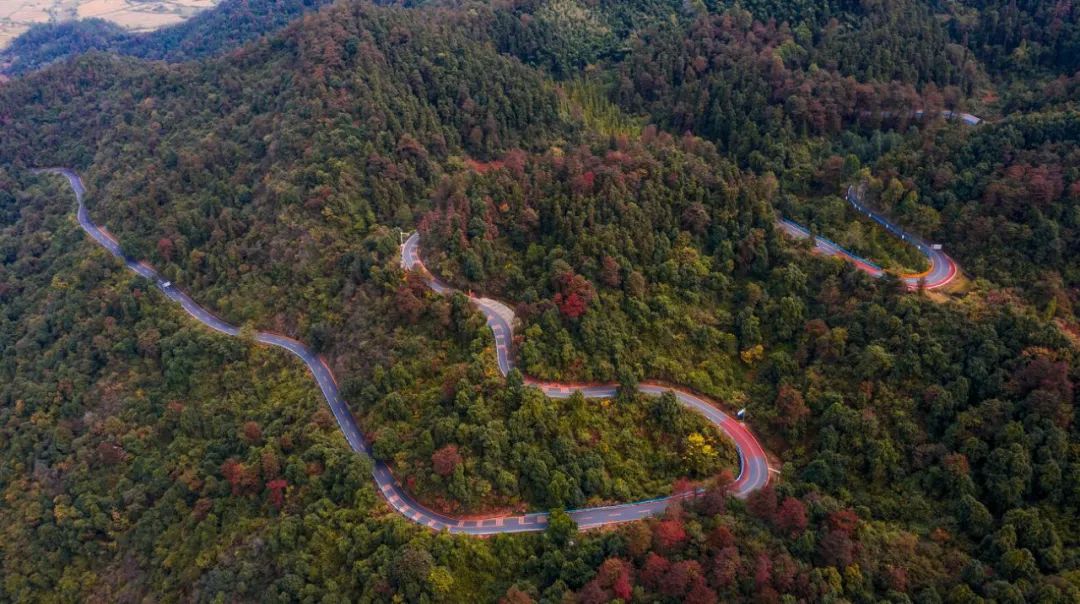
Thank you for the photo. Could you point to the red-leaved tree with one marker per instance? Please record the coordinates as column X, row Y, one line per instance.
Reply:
column 791, row 517
column 277, row 492
column 669, row 535
column 574, row 294
column 654, row 570
column 446, row 460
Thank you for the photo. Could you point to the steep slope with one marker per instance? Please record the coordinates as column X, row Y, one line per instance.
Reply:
column 267, row 182
column 284, row 153
column 925, row 450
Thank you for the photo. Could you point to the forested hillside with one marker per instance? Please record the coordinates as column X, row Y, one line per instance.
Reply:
column 1004, row 197
column 300, row 144
column 632, row 247
column 613, row 171
column 1026, row 36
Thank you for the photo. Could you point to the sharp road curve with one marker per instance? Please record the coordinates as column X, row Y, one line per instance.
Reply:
column 943, row 269
column 753, row 462
column 754, row 472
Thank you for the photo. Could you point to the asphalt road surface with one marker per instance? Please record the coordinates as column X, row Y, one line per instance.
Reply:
column 753, row 463
column 754, row 469
column 942, row 268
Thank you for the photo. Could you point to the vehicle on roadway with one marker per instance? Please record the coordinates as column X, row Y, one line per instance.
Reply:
column 753, row 468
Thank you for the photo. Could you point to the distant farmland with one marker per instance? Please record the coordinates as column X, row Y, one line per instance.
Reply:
column 16, row 16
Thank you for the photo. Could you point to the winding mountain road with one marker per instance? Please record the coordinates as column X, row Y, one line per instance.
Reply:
column 753, row 474
column 753, row 463
column 942, row 268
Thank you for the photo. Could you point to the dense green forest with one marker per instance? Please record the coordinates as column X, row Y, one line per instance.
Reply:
column 1004, row 198
column 613, row 171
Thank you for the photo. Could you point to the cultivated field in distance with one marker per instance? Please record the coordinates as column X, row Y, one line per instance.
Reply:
column 16, row 16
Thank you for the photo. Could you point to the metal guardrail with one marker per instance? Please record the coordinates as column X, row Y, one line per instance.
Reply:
column 838, row 247
column 914, row 240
